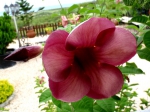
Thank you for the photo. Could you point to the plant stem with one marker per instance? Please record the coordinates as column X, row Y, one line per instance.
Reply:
column 102, row 7
column 95, row 6
column 60, row 5
column 72, row 109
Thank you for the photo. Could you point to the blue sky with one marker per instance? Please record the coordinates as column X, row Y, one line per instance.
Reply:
column 48, row 4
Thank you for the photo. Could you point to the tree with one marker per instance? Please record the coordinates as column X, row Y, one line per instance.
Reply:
column 25, row 12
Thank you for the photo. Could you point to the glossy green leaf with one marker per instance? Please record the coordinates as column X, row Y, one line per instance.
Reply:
column 146, row 39
column 132, row 27
column 115, row 97
column 130, row 70
column 84, row 105
column 45, row 96
column 62, row 106
column 108, row 105
column 139, row 19
column 56, row 102
column 97, row 108
column 144, row 54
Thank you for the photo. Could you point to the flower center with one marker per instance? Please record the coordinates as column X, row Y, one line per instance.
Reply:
column 84, row 57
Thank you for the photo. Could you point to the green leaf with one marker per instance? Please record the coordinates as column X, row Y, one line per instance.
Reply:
column 115, row 97
column 139, row 40
column 139, row 19
column 131, row 64
column 96, row 11
column 73, row 8
column 147, row 5
column 90, row 6
column 130, row 70
column 45, row 96
column 140, row 1
column 63, row 12
column 62, row 106
column 144, row 101
column 135, row 84
column 83, row 11
column 132, row 27
column 146, row 39
column 107, row 104
column 84, row 105
column 56, row 102
column 128, row 2
column 144, row 54
column 148, row 23
column 97, row 108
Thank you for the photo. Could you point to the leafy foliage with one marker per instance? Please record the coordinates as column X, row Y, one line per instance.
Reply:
column 84, row 105
column 7, row 32
column 44, row 95
column 25, row 12
column 130, row 68
column 6, row 90
column 139, row 7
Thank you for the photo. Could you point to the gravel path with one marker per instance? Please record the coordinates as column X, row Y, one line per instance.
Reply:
column 22, row 77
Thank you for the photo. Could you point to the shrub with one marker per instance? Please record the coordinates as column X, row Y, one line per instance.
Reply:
column 7, row 32
column 6, row 90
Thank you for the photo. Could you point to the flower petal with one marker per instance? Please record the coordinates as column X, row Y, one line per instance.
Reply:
column 86, row 33
column 116, row 47
column 107, row 80
column 25, row 53
column 56, row 59
column 64, row 20
column 75, row 87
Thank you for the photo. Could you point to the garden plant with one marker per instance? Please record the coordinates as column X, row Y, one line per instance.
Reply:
column 6, row 90
column 7, row 33
column 87, row 65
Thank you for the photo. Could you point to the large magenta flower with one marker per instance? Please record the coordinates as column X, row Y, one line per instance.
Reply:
column 83, row 62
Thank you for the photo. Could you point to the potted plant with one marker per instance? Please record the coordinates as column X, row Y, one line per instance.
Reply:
column 49, row 30
column 7, row 35
column 7, row 91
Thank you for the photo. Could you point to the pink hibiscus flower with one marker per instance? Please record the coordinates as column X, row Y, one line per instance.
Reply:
column 64, row 20
column 25, row 53
column 83, row 63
